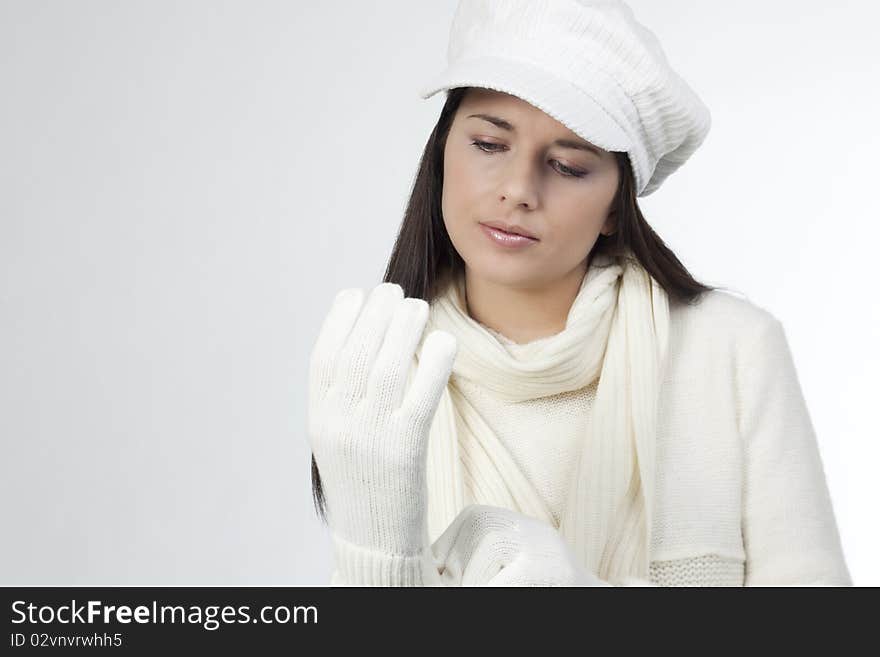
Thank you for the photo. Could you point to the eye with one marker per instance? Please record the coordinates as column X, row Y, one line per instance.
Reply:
column 491, row 148
column 568, row 171
column 484, row 146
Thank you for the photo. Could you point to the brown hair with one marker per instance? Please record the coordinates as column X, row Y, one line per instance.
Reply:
column 423, row 256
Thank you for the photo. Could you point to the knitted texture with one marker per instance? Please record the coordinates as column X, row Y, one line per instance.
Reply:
column 704, row 570
column 548, row 461
column 368, row 430
column 360, row 566
column 590, row 65
column 741, row 497
column 493, row 546
column 616, row 331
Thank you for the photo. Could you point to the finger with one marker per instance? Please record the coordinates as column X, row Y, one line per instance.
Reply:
column 496, row 551
column 465, row 549
column 456, row 535
column 473, row 522
column 360, row 349
column 515, row 573
column 389, row 374
column 434, row 367
column 334, row 330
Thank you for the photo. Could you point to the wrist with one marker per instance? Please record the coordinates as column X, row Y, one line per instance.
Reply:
column 368, row 514
column 359, row 565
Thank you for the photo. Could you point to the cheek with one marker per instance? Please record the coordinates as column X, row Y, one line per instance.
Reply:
column 575, row 238
column 460, row 194
column 581, row 209
column 571, row 234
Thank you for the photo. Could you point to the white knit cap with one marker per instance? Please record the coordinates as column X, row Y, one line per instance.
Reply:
column 589, row 65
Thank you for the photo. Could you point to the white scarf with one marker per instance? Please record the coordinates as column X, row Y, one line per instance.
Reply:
column 617, row 329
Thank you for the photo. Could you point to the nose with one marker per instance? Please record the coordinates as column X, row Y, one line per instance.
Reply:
column 518, row 184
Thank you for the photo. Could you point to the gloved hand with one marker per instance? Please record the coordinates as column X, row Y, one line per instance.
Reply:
column 493, row 546
column 369, row 435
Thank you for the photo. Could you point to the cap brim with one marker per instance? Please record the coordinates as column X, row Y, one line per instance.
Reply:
column 565, row 102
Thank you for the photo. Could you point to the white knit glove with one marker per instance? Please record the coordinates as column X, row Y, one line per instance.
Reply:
column 493, row 546
column 369, row 433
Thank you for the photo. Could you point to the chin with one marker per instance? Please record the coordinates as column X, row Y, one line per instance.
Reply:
column 506, row 274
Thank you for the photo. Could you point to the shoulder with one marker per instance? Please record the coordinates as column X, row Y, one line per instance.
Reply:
column 721, row 323
column 727, row 306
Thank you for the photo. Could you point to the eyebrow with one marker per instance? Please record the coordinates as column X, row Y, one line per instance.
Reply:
column 565, row 143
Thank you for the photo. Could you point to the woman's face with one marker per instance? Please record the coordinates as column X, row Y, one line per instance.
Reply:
column 502, row 164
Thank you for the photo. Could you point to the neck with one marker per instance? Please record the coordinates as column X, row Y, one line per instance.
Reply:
column 523, row 314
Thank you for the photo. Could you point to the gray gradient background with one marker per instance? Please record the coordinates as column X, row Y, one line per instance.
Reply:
column 185, row 185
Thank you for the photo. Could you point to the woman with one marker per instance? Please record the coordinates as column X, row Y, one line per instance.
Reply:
column 540, row 393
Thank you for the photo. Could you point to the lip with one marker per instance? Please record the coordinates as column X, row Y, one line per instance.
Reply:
column 505, row 239
column 510, row 229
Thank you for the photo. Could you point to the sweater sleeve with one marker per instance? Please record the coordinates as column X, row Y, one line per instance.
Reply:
column 358, row 566
column 789, row 529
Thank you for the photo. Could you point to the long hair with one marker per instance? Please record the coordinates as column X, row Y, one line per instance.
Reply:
column 424, row 258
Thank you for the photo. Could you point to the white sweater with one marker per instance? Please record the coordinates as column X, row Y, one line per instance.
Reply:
column 741, row 497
